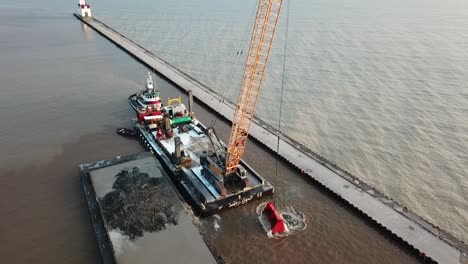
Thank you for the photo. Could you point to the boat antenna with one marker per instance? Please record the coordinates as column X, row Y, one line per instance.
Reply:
column 235, row 64
column 281, row 97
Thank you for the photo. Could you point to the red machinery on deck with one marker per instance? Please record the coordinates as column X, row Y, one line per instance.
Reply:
column 277, row 223
column 149, row 113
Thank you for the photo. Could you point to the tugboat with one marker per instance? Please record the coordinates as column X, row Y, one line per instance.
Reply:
column 191, row 153
column 148, row 97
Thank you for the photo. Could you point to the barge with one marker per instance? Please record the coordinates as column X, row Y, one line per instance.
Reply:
column 189, row 151
column 134, row 209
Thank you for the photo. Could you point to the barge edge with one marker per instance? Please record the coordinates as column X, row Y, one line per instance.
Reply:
column 102, row 237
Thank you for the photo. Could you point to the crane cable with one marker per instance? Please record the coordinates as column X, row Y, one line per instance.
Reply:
column 240, row 51
column 281, row 96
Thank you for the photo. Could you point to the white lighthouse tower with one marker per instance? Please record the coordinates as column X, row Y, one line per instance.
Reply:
column 84, row 8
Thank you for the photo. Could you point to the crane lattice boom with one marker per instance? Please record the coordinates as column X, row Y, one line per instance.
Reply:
column 259, row 50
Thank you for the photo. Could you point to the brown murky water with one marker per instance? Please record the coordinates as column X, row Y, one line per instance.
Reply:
column 63, row 92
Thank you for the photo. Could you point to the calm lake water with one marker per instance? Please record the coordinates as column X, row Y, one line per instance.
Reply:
column 378, row 88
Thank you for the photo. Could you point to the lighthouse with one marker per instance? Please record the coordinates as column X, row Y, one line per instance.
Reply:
column 84, row 8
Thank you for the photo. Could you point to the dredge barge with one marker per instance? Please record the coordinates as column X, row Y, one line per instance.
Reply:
column 191, row 153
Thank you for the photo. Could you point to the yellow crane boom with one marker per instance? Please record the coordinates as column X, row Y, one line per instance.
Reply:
column 259, row 50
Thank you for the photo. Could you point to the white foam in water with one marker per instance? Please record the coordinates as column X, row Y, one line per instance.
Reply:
column 216, row 221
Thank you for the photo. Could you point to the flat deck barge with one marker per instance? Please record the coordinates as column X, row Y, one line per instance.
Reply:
column 197, row 189
column 138, row 216
column 427, row 240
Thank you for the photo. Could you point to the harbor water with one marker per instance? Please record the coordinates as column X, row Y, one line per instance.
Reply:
column 379, row 92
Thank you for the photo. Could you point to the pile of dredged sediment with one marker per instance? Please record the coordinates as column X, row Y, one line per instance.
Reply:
column 139, row 203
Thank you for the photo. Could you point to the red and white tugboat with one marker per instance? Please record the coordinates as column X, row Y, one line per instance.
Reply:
column 149, row 97
column 147, row 104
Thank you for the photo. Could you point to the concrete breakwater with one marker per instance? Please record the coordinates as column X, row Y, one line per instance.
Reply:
column 426, row 239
